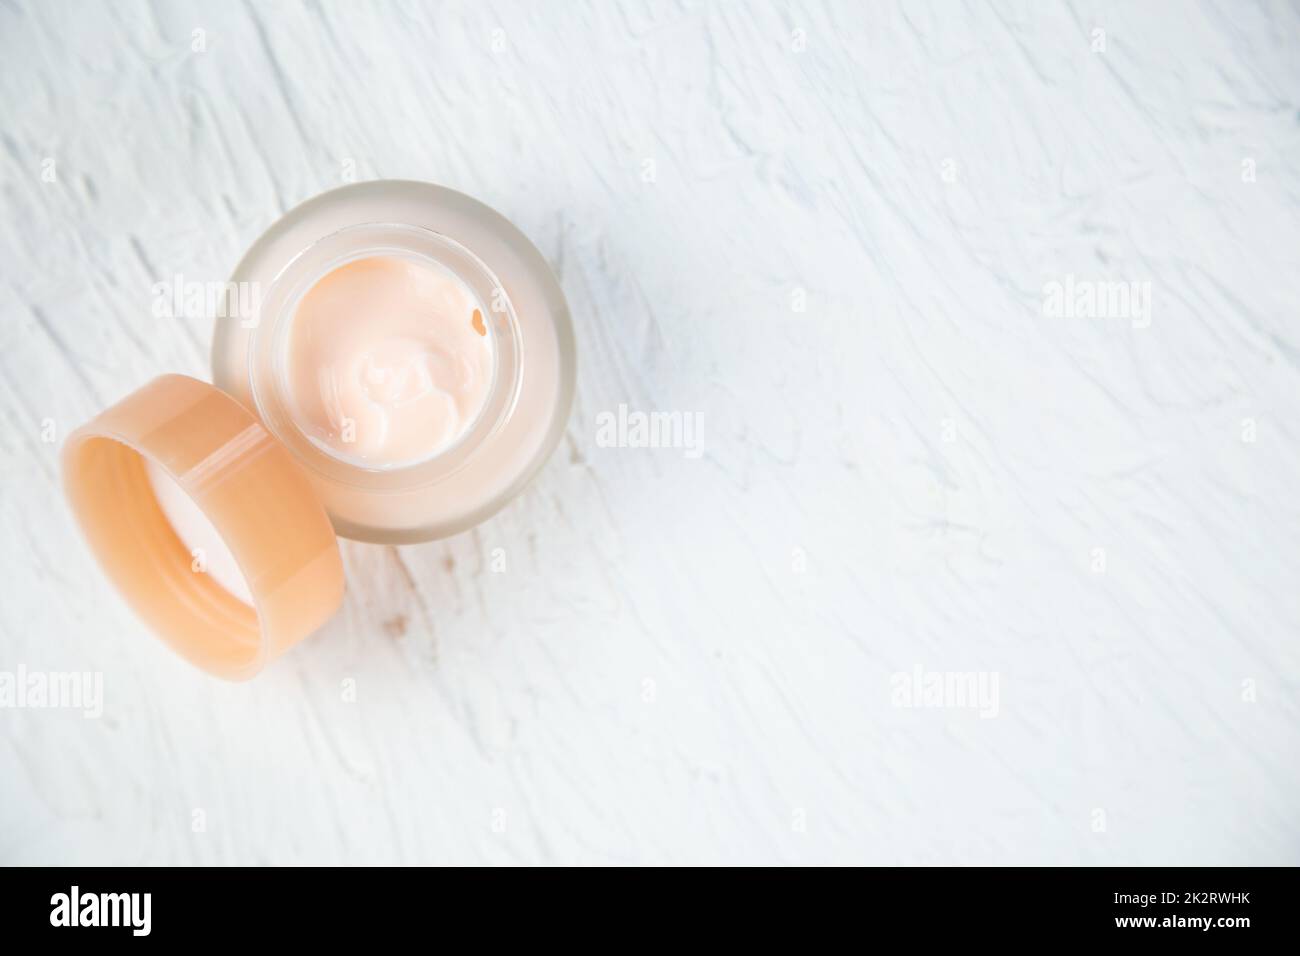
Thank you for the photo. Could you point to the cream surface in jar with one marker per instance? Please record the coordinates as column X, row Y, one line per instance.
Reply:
column 388, row 361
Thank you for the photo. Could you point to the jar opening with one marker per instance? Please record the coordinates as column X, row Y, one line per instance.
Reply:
column 384, row 354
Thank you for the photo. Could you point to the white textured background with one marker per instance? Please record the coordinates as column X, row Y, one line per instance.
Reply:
column 689, row 661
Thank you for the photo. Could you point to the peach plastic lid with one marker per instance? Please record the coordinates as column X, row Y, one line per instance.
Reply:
column 246, row 483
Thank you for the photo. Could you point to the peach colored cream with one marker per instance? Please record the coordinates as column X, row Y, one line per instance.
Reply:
column 388, row 361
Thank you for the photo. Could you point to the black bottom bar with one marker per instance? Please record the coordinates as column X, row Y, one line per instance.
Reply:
column 338, row 907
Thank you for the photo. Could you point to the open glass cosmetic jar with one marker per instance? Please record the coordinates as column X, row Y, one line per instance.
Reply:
column 392, row 362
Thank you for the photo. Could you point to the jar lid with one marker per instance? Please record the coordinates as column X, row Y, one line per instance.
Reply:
column 247, row 485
